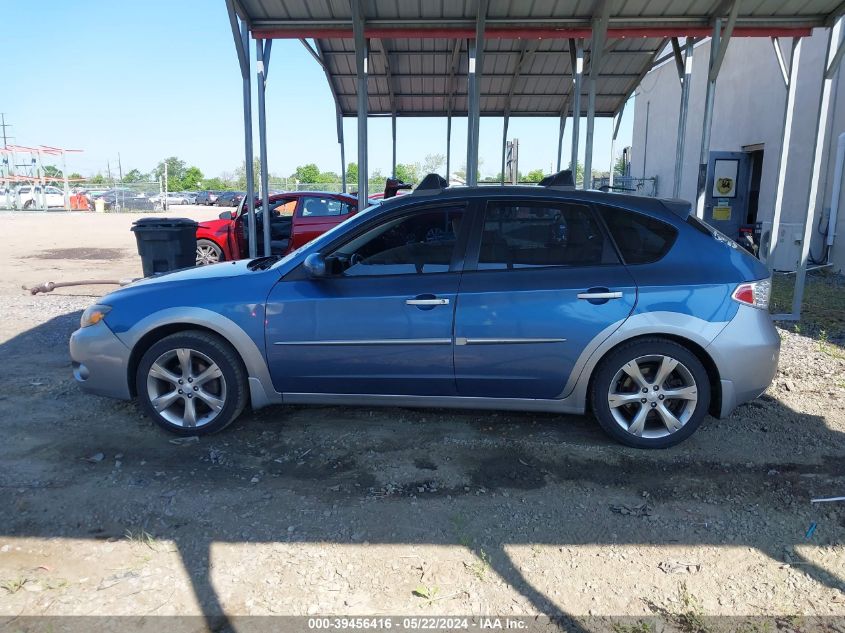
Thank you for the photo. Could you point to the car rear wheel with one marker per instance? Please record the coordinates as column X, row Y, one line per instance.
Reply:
column 208, row 253
column 650, row 393
column 191, row 383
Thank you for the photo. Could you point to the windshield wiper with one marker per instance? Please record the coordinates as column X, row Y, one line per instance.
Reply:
column 263, row 263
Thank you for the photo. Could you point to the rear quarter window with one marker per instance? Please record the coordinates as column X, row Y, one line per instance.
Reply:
column 640, row 238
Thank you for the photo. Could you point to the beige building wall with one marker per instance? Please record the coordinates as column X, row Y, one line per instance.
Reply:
column 749, row 109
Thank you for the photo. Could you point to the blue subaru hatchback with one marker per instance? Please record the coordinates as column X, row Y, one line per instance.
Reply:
column 518, row 298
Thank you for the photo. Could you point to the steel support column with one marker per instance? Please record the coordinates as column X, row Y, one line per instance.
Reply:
column 262, row 58
column 576, row 51
column 599, row 28
column 319, row 56
column 240, row 34
column 342, row 150
column 248, row 164
column 393, row 136
column 815, row 199
column 617, row 120
column 504, row 146
column 786, row 138
column 561, row 130
column 686, row 86
column 453, row 68
column 361, row 55
column 718, row 48
column 476, row 60
column 448, row 146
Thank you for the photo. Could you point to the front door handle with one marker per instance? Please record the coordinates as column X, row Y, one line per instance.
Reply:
column 427, row 302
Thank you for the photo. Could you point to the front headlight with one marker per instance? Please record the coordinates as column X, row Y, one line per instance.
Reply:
column 93, row 315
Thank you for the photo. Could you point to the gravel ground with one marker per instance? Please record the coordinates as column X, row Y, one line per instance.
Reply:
column 308, row 510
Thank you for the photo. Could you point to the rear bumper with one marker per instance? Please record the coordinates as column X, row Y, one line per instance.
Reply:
column 100, row 361
column 746, row 354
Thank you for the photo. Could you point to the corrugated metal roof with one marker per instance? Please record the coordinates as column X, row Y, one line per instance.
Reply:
column 413, row 44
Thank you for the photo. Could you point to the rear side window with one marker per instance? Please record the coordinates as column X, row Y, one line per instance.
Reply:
column 641, row 239
column 531, row 235
column 323, row 207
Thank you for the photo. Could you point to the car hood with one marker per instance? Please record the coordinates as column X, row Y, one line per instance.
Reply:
column 189, row 276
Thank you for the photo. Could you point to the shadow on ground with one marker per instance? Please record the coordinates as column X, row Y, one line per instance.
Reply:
column 381, row 470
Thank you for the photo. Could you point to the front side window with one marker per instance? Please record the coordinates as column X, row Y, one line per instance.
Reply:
column 640, row 238
column 313, row 207
column 412, row 244
column 531, row 235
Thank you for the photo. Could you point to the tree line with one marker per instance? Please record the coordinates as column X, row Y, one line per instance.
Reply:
column 184, row 177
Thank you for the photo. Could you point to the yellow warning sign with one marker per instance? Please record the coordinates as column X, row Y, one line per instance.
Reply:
column 721, row 213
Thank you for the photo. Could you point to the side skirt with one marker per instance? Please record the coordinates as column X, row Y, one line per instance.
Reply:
column 445, row 402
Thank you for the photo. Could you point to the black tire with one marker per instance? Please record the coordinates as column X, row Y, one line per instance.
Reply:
column 607, row 372
column 29, row 204
column 220, row 352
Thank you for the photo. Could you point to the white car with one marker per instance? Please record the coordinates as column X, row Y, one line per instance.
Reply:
column 172, row 198
column 30, row 197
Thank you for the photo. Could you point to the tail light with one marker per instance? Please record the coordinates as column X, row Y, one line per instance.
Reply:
column 754, row 293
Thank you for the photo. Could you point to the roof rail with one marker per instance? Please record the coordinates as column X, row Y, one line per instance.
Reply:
column 431, row 184
column 561, row 180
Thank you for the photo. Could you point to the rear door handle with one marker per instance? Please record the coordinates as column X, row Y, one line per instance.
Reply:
column 599, row 295
column 427, row 302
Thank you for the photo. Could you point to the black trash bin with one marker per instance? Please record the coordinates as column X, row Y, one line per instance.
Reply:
column 166, row 244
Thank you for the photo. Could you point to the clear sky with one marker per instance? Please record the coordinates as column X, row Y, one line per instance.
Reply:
column 160, row 78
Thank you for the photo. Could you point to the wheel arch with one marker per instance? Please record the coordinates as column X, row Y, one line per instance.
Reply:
column 156, row 326
column 715, row 404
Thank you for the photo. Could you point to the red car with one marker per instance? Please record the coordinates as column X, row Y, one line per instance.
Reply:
column 295, row 219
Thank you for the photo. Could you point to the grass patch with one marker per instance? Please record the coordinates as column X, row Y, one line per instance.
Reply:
column 142, row 537
column 481, row 566
column 823, row 307
column 426, row 592
column 14, row 585
column 640, row 626
column 690, row 616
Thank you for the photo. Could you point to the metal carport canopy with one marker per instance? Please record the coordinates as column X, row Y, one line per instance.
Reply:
column 413, row 45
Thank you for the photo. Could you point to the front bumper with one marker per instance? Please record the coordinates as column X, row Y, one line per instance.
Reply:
column 100, row 361
column 746, row 354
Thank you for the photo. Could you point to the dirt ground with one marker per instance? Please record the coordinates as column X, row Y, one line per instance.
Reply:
column 336, row 510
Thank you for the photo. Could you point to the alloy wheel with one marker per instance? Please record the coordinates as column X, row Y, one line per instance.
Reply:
column 207, row 254
column 652, row 396
column 186, row 388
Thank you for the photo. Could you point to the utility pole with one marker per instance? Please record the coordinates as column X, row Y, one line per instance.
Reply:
column 119, row 167
column 4, row 125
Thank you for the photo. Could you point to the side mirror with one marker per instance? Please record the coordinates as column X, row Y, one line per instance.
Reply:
column 226, row 215
column 315, row 265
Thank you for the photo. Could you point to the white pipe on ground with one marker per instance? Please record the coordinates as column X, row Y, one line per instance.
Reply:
column 837, row 189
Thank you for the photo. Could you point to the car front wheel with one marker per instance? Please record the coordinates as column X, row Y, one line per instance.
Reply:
column 191, row 383
column 208, row 253
column 650, row 393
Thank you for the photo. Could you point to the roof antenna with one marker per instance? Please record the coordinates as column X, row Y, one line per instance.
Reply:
column 431, row 184
column 561, row 180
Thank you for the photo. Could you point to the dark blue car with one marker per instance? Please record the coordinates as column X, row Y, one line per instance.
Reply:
column 519, row 298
